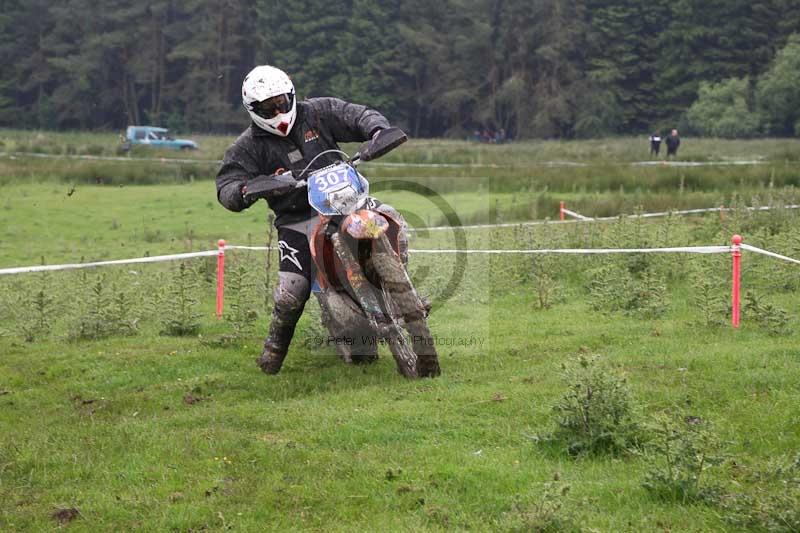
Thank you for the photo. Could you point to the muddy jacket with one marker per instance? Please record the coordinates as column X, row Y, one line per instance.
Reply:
column 321, row 123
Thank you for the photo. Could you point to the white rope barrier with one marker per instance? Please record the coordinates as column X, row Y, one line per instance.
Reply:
column 174, row 257
column 681, row 249
column 678, row 212
column 733, row 162
column 262, row 248
column 565, row 251
column 581, row 251
column 73, row 266
column 486, row 226
column 575, row 215
column 771, row 254
column 582, row 218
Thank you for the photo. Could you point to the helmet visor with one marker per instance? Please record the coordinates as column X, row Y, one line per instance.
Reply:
column 274, row 106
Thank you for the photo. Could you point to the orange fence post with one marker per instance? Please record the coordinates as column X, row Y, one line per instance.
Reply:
column 736, row 284
column 220, row 277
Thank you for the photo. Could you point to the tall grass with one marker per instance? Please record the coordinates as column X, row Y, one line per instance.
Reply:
column 514, row 167
column 614, row 150
column 586, row 180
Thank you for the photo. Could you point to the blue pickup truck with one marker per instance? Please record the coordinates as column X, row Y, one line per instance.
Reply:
column 155, row 137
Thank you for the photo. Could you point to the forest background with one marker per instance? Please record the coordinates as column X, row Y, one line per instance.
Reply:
column 534, row 68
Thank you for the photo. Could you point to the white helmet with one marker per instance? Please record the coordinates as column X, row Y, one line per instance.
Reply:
column 264, row 83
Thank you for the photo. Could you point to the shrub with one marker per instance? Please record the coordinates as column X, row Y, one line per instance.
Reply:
column 610, row 287
column 709, row 294
column 546, row 514
column 773, row 505
column 92, row 304
column 597, row 413
column 772, row 318
column 121, row 315
column 681, row 451
column 33, row 308
column 180, row 305
column 649, row 297
column 613, row 288
column 242, row 314
column 779, row 512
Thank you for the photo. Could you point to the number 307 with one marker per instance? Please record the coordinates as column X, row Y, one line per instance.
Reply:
column 324, row 183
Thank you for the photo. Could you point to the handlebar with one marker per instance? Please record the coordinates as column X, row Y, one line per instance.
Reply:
column 381, row 144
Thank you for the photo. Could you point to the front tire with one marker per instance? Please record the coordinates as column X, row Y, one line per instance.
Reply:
column 402, row 299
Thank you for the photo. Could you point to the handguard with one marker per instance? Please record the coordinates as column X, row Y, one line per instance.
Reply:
column 268, row 186
column 384, row 142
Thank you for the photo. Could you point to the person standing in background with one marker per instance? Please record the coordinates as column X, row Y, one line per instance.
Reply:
column 673, row 142
column 655, row 144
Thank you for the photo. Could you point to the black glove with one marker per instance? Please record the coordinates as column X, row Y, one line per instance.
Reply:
column 268, row 186
column 382, row 142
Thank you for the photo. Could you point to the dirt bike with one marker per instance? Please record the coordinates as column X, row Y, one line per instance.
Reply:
column 356, row 250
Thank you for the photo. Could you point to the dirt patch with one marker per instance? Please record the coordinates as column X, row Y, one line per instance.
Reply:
column 273, row 438
column 89, row 406
column 65, row 516
column 80, row 400
column 191, row 399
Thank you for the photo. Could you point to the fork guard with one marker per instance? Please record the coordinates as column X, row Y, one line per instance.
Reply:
column 325, row 257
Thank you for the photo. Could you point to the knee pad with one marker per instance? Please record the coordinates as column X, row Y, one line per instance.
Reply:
column 291, row 293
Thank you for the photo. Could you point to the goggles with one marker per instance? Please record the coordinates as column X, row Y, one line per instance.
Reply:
column 274, row 106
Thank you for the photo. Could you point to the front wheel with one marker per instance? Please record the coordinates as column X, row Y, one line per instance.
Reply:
column 403, row 302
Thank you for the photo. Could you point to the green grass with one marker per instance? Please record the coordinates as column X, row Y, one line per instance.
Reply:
column 513, row 182
column 435, row 151
column 156, row 433
column 327, row 446
column 68, row 223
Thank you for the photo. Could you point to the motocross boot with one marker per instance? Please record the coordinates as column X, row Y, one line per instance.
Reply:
column 290, row 298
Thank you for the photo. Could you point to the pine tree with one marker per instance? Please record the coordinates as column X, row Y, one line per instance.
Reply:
column 180, row 316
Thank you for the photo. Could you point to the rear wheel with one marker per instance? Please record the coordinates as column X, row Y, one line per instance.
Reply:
column 402, row 302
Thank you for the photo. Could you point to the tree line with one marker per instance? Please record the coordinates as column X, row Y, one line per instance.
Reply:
column 534, row 68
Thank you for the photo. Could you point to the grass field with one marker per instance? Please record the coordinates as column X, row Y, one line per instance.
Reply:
column 143, row 431
column 436, row 151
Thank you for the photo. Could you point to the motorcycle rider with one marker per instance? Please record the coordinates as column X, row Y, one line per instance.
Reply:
column 283, row 138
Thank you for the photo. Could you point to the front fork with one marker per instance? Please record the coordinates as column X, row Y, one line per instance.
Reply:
column 358, row 282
